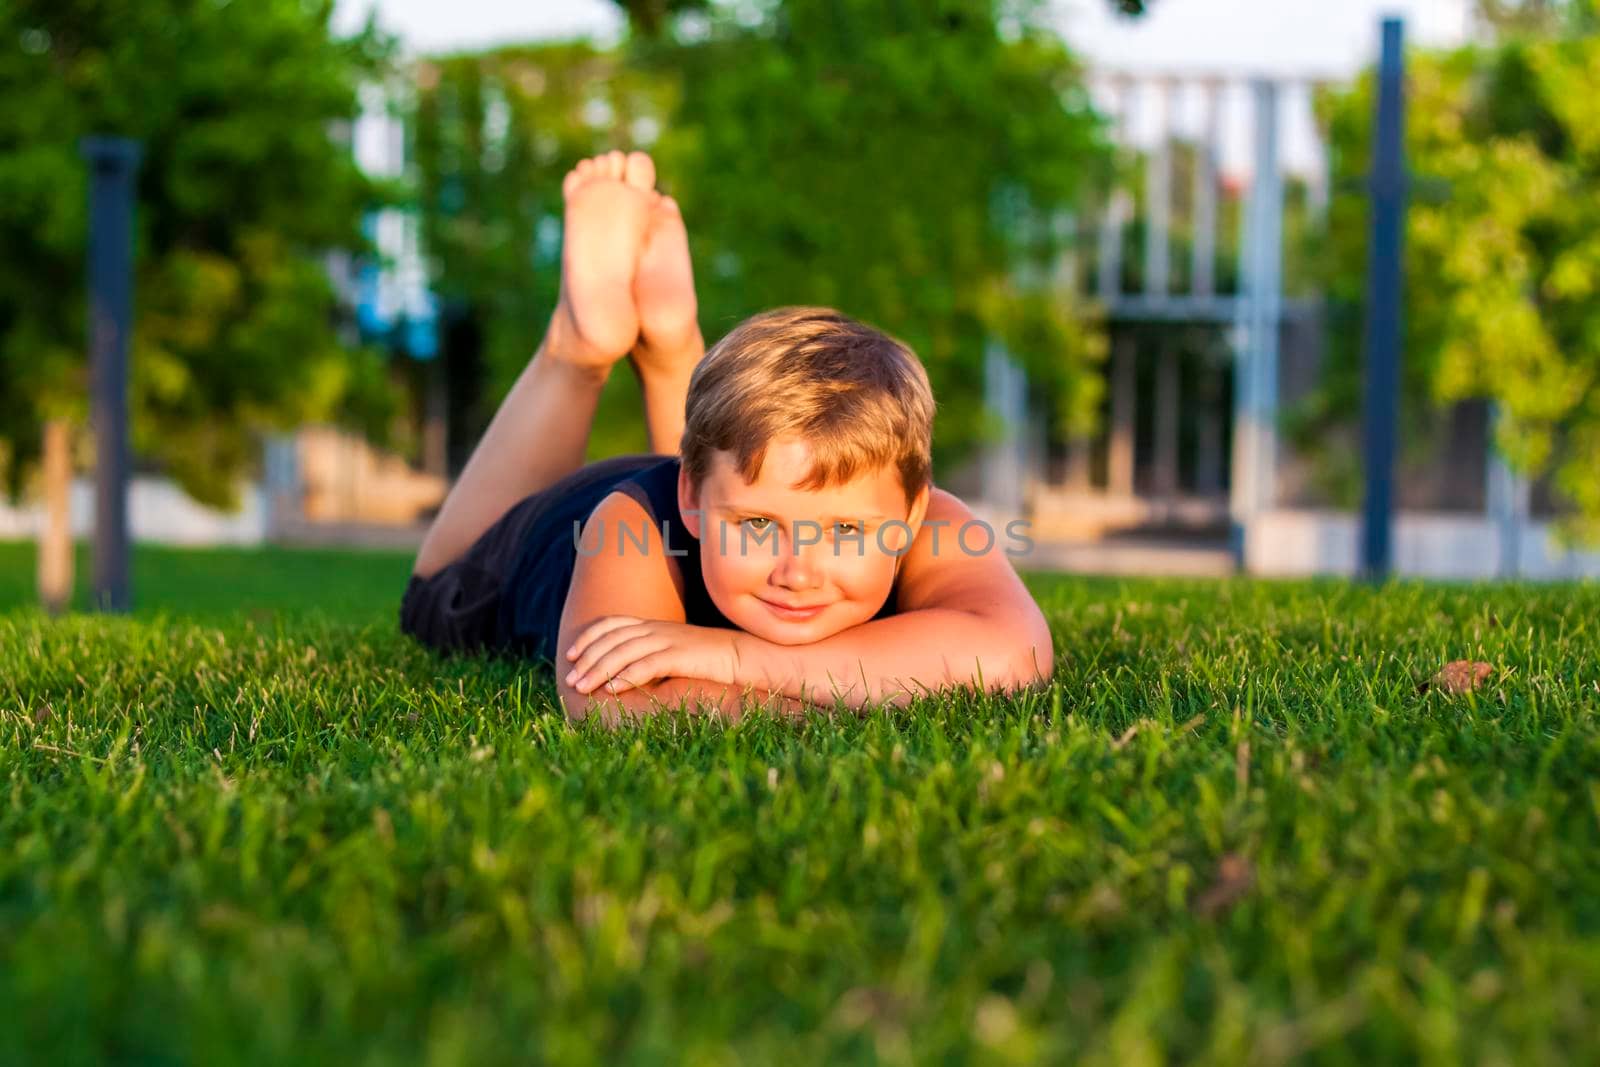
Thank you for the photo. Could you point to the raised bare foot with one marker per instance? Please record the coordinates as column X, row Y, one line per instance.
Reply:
column 663, row 293
column 609, row 201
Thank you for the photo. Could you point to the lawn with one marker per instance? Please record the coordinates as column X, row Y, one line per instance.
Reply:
column 255, row 824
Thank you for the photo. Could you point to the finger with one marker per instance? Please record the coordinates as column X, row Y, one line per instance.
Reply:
column 651, row 668
column 616, row 661
column 596, row 629
column 603, row 644
column 620, row 684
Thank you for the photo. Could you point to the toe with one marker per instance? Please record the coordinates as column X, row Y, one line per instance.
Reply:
column 641, row 171
column 570, row 182
column 616, row 163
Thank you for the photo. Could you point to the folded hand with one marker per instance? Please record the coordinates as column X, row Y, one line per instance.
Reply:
column 620, row 652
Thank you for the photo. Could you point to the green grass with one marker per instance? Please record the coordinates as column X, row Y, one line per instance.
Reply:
column 254, row 824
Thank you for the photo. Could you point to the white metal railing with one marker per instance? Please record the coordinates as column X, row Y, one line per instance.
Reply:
column 1200, row 110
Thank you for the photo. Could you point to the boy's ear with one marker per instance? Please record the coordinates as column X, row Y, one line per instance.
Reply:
column 919, row 510
column 689, row 505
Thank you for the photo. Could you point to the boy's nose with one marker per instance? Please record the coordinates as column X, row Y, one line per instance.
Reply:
column 799, row 567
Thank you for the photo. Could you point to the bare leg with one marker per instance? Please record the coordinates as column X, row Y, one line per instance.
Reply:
column 541, row 431
column 669, row 335
column 666, row 394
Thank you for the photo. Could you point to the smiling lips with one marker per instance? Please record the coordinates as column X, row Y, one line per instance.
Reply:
column 785, row 612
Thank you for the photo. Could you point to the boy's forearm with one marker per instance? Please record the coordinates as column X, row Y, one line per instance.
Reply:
column 728, row 701
column 536, row 436
column 893, row 659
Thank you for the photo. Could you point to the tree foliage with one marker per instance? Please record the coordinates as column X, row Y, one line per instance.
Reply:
column 241, row 187
column 1502, row 247
column 909, row 164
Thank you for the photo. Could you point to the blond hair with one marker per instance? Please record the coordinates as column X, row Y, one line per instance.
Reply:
column 858, row 397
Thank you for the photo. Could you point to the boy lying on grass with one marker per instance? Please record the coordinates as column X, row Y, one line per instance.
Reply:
column 782, row 542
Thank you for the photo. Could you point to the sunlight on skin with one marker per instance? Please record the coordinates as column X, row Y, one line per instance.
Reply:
column 844, row 575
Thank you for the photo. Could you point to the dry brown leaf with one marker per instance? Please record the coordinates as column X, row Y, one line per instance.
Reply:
column 1459, row 676
column 1235, row 875
column 868, row 1005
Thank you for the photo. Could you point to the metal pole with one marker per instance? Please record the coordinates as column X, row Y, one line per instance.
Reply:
column 1203, row 271
column 113, row 162
column 1158, row 196
column 1387, row 187
column 1108, row 265
column 1253, row 483
column 1507, row 496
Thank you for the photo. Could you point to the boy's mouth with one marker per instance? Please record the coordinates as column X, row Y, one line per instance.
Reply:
column 793, row 614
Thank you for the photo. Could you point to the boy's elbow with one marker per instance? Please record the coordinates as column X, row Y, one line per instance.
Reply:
column 609, row 709
column 1017, row 655
column 1033, row 660
column 639, row 702
column 574, row 703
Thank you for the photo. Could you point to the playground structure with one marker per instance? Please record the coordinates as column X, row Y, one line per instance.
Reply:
column 1189, row 472
column 1169, row 397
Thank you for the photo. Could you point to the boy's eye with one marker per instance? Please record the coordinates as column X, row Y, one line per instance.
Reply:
column 848, row 529
column 756, row 518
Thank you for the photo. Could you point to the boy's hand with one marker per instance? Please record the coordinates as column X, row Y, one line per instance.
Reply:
column 620, row 652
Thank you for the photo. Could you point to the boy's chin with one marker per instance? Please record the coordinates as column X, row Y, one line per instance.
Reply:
column 780, row 633
column 792, row 638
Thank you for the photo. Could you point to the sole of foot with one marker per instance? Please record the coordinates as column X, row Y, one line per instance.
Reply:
column 663, row 294
column 609, row 202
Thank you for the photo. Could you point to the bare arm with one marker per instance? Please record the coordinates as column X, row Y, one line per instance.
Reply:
column 536, row 438
column 964, row 620
column 620, row 573
column 694, row 694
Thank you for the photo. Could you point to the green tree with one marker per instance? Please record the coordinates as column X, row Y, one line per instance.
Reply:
column 650, row 17
column 1502, row 248
column 242, row 187
column 1525, row 16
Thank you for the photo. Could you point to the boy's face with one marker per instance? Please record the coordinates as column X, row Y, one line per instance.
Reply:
column 767, row 547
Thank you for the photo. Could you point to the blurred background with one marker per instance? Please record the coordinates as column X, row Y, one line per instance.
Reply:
column 1128, row 239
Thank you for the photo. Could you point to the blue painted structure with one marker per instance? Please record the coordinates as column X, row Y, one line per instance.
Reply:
column 1387, row 187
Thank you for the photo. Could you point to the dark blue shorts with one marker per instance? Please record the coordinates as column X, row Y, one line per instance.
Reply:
column 527, row 554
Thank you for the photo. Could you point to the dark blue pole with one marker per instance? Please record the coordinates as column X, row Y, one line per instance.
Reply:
column 113, row 161
column 1387, row 187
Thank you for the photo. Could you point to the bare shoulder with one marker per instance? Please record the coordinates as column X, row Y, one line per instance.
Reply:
column 957, row 560
column 943, row 504
column 622, row 568
column 971, row 571
column 623, row 563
